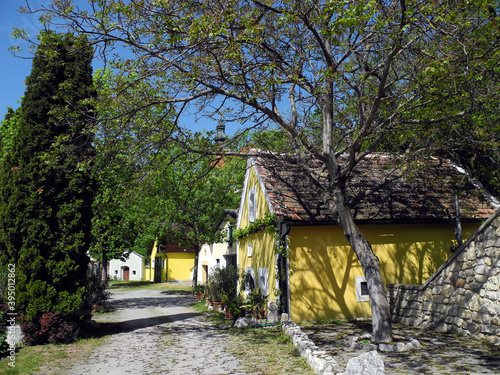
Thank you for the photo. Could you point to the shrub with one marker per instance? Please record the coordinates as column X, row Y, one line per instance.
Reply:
column 257, row 301
column 223, row 282
column 199, row 288
column 96, row 288
column 3, row 280
column 235, row 307
column 51, row 328
column 3, row 334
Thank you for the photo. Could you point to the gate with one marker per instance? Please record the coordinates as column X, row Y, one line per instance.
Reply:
column 158, row 263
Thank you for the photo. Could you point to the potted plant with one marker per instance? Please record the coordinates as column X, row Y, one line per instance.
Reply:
column 234, row 308
column 257, row 302
column 222, row 283
column 199, row 291
column 224, row 301
column 214, row 288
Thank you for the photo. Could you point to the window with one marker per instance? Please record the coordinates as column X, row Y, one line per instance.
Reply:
column 252, row 204
column 134, row 272
column 249, row 250
column 364, row 288
column 116, row 272
column 362, row 294
column 217, row 263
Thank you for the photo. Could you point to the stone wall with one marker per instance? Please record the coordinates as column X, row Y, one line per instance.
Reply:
column 463, row 296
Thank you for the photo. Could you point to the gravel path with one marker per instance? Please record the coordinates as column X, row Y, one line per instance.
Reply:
column 158, row 333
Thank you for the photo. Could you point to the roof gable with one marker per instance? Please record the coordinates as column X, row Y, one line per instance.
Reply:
column 252, row 167
column 423, row 195
column 229, row 216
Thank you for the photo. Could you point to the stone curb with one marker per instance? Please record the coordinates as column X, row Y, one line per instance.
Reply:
column 317, row 359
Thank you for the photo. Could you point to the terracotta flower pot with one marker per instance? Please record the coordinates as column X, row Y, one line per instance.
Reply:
column 216, row 305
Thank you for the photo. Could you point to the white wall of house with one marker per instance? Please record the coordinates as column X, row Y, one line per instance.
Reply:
column 216, row 255
column 135, row 264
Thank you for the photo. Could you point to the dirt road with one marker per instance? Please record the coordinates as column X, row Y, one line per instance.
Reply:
column 158, row 333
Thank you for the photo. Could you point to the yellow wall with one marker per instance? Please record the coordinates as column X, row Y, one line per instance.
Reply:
column 262, row 242
column 180, row 265
column 262, row 257
column 262, row 207
column 154, row 254
column 323, row 266
column 148, row 275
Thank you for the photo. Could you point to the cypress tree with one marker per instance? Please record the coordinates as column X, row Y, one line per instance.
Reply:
column 46, row 191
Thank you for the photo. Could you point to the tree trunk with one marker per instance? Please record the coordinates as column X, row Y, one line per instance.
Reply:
column 104, row 267
column 197, row 249
column 381, row 317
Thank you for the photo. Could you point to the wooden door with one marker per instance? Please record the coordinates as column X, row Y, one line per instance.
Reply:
column 204, row 274
column 126, row 274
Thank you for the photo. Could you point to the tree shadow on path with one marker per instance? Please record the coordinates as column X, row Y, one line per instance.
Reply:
column 114, row 328
column 119, row 304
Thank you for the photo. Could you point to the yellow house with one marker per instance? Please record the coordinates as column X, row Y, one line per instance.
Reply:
column 170, row 262
column 303, row 260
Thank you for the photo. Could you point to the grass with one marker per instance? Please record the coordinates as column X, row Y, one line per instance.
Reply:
column 201, row 306
column 49, row 359
column 320, row 322
column 267, row 351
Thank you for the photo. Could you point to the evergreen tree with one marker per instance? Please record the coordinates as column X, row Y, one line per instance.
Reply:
column 8, row 131
column 46, row 191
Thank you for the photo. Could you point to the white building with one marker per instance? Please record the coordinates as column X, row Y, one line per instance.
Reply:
column 219, row 255
column 132, row 269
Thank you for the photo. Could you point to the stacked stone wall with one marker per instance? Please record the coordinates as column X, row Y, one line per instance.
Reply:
column 463, row 296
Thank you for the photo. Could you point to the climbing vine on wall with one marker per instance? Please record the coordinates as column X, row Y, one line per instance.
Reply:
column 268, row 222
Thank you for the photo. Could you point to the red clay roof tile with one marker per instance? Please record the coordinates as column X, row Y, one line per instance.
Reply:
column 422, row 195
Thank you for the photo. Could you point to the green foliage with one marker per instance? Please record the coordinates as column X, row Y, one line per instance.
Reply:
column 125, row 151
column 95, row 288
column 369, row 69
column 46, row 190
column 8, row 131
column 199, row 288
column 257, row 302
column 273, row 139
column 235, row 306
column 4, row 345
column 4, row 276
column 268, row 222
column 150, row 186
column 222, row 284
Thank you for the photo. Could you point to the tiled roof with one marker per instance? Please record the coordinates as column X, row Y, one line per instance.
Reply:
column 174, row 248
column 423, row 195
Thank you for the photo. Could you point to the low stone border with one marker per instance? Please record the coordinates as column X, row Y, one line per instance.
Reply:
column 320, row 362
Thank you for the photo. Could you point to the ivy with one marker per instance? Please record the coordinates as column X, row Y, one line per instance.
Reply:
column 268, row 223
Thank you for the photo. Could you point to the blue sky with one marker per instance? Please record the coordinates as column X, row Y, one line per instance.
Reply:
column 14, row 70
